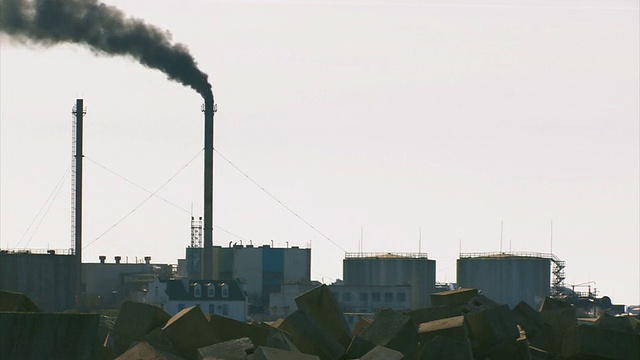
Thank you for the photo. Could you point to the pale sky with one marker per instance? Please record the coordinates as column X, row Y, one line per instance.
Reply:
column 449, row 117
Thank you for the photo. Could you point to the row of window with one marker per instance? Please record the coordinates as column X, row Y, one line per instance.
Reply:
column 375, row 297
column 211, row 290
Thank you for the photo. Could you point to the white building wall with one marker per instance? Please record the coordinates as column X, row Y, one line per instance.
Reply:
column 297, row 265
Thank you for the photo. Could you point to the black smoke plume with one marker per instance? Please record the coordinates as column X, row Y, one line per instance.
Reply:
column 104, row 30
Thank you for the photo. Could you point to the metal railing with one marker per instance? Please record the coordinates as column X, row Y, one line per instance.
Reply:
column 549, row 256
column 39, row 251
column 387, row 255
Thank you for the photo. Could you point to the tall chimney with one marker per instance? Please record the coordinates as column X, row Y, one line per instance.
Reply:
column 79, row 112
column 207, row 263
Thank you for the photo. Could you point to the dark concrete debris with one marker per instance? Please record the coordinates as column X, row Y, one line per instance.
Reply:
column 382, row 353
column 394, row 330
column 189, row 330
column 453, row 298
column 144, row 350
column 47, row 335
column 320, row 305
column 267, row 353
column 465, row 326
column 230, row 329
column 312, row 338
column 593, row 342
column 134, row 321
column 16, row 302
column 237, row 349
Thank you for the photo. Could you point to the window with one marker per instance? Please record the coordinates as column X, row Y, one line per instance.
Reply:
column 375, row 297
column 401, row 297
column 225, row 290
column 388, row 297
column 364, row 297
column 212, row 308
column 211, row 290
column 225, row 309
column 197, row 290
column 346, row 296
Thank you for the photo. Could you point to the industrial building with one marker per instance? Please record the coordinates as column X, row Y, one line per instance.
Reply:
column 261, row 270
column 107, row 284
column 511, row 277
column 48, row 277
column 370, row 270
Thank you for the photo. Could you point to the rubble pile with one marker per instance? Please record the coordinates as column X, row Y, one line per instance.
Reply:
column 463, row 324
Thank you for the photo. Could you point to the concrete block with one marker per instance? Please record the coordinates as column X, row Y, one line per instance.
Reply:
column 280, row 340
column 626, row 323
column 453, row 327
column 592, row 342
column 433, row 313
column 359, row 347
column 189, row 330
column 558, row 317
column 360, row 325
column 492, row 326
column 134, row 321
column 393, row 330
column 267, row 353
column 143, row 350
column 159, row 340
column 477, row 304
column 382, row 353
column 442, row 347
column 26, row 335
column 507, row 350
column 230, row 329
column 453, row 298
column 528, row 318
column 236, row 349
column 320, row 305
column 16, row 302
column 311, row 338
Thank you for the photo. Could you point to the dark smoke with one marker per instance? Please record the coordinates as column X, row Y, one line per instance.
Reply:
column 104, row 30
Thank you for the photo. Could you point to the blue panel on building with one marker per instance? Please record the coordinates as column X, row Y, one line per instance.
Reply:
column 273, row 260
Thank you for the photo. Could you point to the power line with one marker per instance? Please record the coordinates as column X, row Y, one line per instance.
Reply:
column 56, row 191
column 279, row 202
column 157, row 196
column 144, row 201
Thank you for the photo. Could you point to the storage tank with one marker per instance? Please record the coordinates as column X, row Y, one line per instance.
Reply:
column 391, row 269
column 507, row 278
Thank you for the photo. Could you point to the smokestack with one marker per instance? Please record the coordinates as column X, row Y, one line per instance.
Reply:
column 79, row 112
column 207, row 261
column 118, row 258
column 102, row 259
column 147, row 260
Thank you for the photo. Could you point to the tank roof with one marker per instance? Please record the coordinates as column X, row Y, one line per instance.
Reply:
column 387, row 255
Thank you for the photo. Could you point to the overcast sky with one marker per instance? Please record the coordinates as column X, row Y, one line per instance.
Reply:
column 412, row 119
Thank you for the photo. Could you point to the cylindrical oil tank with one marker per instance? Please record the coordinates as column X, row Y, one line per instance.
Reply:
column 507, row 278
column 393, row 270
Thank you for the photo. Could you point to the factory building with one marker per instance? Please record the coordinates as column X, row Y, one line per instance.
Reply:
column 261, row 270
column 371, row 270
column 107, row 284
column 511, row 277
column 48, row 277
